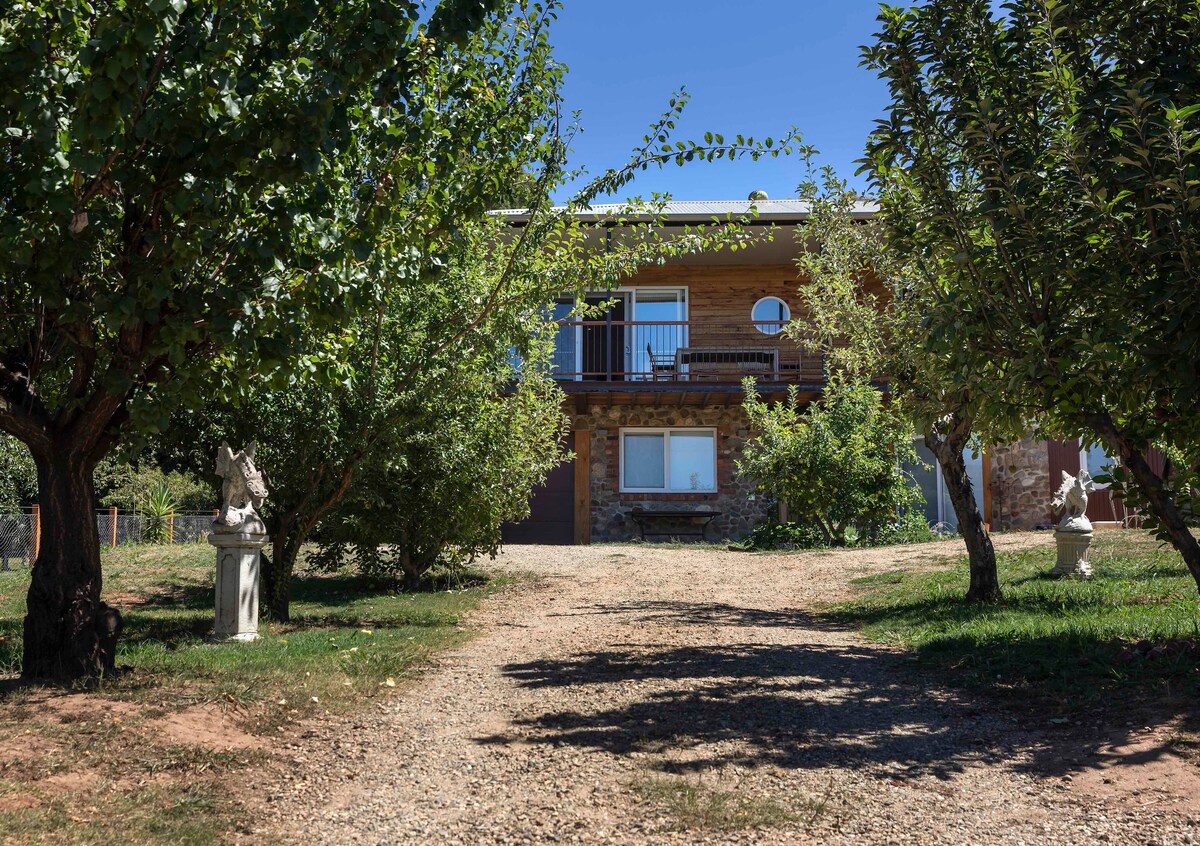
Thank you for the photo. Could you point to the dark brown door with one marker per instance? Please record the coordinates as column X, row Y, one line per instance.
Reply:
column 1064, row 455
column 551, row 512
column 604, row 343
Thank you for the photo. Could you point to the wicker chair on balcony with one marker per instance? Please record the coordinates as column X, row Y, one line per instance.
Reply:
column 662, row 365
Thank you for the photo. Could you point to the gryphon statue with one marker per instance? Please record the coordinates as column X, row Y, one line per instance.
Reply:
column 1072, row 498
column 243, row 490
column 1073, row 536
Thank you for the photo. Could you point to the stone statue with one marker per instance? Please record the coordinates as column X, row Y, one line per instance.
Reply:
column 1073, row 535
column 242, row 492
column 239, row 535
column 1072, row 498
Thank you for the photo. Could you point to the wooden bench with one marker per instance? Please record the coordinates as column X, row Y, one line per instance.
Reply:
column 642, row 515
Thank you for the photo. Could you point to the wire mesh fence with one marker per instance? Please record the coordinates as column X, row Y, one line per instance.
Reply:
column 17, row 531
column 191, row 528
column 20, row 532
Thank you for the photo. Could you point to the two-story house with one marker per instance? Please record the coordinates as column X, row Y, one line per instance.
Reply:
column 654, row 391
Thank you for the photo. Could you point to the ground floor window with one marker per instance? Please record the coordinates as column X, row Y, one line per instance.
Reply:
column 937, row 507
column 668, row 460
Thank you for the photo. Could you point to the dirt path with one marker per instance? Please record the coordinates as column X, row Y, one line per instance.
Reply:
column 632, row 681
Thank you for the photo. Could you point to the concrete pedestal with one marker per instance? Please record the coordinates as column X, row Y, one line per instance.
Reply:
column 237, row 584
column 1073, row 547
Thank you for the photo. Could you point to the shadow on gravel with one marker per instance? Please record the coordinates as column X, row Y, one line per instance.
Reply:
column 677, row 613
column 796, row 706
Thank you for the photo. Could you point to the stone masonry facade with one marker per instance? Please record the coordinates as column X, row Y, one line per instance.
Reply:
column 1021, row 487
column 741, row 505
column 1021, row 490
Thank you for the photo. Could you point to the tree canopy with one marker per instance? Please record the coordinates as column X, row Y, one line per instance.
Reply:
column 1038, row 163
column 198, row 197
column 186, row 184
column 865, row 310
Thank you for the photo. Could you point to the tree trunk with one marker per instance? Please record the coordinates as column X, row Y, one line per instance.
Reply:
column 62, row 638
column 981, row 555
column 1161, row 502
column 409, row 566
column 277, row 578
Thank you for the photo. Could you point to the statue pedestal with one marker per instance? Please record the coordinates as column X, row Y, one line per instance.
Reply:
column 237, row 582
column 1073, row 544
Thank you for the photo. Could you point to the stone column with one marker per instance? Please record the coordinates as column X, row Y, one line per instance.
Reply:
column 239, row 535
column 1073, row 546
column 238, row 557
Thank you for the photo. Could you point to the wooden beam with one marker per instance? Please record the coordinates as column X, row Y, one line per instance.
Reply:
column 583, row 487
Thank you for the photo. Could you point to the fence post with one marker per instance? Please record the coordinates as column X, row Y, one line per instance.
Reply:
column 171, row 528
column 112, row 527
column 37, row 531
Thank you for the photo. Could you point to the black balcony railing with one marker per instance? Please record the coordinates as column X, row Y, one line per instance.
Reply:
column 679, row 351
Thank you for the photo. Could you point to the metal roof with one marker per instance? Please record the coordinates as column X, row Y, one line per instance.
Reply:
column 703, row 210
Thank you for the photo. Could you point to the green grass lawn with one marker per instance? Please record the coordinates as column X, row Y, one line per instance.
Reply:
column 1060, row 638
column 79, row 778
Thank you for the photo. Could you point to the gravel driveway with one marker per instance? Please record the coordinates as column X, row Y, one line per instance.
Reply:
column 627, row 680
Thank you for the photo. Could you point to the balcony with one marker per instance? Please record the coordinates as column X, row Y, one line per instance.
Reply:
column 649, row 355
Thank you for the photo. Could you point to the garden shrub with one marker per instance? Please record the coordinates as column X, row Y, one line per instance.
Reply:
column 910, row 527
column 837, row 462
column 784, row 536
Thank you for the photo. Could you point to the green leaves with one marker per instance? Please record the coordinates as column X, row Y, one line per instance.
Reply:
column 242, row 173
column 1039, row 169
column 18, row 475
column 836, row 464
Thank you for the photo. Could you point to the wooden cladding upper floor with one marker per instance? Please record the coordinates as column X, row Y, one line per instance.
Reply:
column 724, row 294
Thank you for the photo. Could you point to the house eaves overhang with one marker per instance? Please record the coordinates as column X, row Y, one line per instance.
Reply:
column 680, row 213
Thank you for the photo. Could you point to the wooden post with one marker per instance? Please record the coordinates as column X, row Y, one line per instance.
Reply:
column 112, row 527
column 583, row 487
column 171, row 528
column 37, row 531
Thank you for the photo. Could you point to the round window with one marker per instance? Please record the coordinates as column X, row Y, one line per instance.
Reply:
column 770, row 315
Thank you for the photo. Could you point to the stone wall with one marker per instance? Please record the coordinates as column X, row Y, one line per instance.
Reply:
column 743, row 507
column 1020, row 482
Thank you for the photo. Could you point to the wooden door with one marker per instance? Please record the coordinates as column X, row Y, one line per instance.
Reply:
column 1064, row 456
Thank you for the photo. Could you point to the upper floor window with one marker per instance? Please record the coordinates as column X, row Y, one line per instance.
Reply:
column 770, row 314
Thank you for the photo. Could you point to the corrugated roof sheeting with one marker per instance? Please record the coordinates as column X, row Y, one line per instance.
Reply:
column 707, row 209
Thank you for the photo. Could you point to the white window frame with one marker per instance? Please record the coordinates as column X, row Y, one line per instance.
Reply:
column 666, row 432
column 1083, row 463
column 945, row 508
column 778, row 329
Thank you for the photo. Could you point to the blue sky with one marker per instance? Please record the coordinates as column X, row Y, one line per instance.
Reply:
column 754, row 67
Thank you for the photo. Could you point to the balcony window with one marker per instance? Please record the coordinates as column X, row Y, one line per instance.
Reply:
column 770, row 314
column 563, row 363
column 668, row 460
